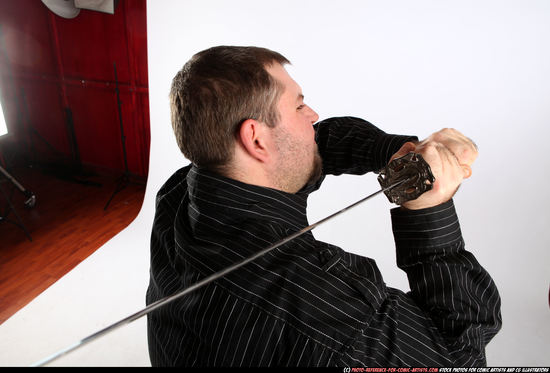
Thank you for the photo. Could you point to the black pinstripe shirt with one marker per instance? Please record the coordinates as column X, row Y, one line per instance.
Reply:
column 309, row 303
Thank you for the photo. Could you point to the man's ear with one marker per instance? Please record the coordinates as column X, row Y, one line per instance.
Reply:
column 253, row 136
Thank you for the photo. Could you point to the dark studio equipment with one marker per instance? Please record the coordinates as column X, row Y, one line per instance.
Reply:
column 30, row 201
column 124, row 179
column 30, row 198
column 407, row 174
column 64, row 168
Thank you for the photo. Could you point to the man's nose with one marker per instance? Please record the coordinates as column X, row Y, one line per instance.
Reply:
column 313, row 115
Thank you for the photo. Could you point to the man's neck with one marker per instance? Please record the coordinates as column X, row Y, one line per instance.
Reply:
column 250, row 175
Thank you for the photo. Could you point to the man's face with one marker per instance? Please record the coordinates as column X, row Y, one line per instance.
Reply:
column 298, row 159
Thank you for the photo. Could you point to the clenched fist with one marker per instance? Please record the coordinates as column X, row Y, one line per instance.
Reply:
column 450, row 155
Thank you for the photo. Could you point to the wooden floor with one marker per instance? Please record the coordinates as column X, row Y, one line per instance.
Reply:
column 67, row 224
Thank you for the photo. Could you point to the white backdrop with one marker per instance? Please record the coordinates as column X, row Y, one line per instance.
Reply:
column 482, row 67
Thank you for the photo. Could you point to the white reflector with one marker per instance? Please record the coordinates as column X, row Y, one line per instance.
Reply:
column 105, row 6
column 63, row 8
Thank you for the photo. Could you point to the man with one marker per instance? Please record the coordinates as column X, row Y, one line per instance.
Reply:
column 256, row 153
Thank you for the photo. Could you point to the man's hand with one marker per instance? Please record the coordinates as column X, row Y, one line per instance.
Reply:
column 450, row 155
column 461, row 146
column 464, row 149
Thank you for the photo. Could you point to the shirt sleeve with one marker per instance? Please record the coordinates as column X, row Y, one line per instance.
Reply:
column 446, row 281
column 354, row 146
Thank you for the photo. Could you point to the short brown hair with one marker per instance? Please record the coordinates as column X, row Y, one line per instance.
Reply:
column 217, row 90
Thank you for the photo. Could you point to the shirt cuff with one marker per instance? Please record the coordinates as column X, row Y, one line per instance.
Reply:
column 430, row 231
column 387, row 145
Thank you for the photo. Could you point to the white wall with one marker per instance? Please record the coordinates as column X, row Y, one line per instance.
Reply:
column 482, row 67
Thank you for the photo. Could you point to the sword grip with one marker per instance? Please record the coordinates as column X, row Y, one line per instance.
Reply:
column 415, row 176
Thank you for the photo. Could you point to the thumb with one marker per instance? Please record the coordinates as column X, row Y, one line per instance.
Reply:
column 406, row 148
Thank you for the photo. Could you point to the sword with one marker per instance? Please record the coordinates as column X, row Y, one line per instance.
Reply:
column 403, row 179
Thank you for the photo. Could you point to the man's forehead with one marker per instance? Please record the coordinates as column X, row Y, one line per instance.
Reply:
column 280, row 73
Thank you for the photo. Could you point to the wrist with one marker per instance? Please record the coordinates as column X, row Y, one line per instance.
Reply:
column 417, row 205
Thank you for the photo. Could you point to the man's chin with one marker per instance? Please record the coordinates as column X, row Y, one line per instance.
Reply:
column 316, row 170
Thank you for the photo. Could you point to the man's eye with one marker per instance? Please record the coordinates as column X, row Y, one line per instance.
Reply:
column 300, row 107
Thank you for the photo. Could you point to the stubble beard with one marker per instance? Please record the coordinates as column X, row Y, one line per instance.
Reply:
column 299, row 164
column 317, row 169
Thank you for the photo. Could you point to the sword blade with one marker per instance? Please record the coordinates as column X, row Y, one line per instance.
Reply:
column 161, row 302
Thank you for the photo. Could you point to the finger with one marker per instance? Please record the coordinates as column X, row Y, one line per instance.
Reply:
column 406, row 148
column 452, row 157
column 467, row 171
column 450, row 165
column 463, row 147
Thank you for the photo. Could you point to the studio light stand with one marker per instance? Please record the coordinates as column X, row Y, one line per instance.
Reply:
column 30, row 201
column 124, row 179
column 30, row 198
column 59, row 165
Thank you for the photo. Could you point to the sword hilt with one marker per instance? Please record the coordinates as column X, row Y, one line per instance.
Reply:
column 412, row 173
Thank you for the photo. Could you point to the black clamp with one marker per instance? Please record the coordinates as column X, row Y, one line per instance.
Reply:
column 414, row 173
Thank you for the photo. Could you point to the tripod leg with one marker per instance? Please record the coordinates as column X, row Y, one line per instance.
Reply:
column 124, row 179
column 122, row 183
column 31, row 198
column 10, row 178
column 9, row 209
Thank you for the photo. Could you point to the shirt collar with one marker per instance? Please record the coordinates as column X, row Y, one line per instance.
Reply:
column 229, row 200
